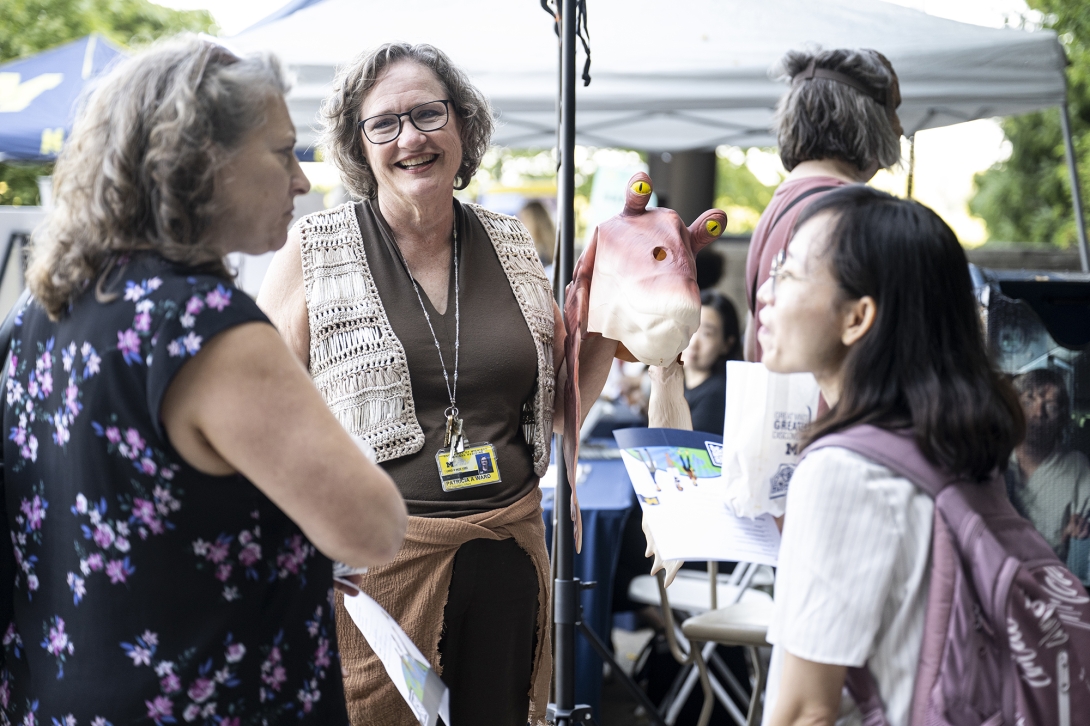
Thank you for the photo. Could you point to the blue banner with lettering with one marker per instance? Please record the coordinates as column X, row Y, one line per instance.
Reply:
column 38, row 96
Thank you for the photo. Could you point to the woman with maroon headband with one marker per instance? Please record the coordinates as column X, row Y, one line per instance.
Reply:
column 836, row 125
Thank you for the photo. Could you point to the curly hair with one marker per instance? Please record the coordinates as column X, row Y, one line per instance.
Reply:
column 827, row 119
column 342, row 141
column 137, row 172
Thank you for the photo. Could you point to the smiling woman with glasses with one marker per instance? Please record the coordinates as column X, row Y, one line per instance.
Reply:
column 428, row 324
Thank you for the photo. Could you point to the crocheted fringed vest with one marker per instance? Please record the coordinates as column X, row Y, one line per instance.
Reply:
column 357, row 362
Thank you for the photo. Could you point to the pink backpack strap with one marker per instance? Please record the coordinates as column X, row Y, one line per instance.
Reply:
column 940, row 601
column 898, row 451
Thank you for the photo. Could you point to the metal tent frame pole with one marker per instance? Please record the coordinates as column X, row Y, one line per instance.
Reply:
column 1076, row 191
column 565, row 587
column 567, row 606
column 1073, row 173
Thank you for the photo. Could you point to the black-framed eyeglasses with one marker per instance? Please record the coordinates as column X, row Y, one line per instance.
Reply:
column 386, row 127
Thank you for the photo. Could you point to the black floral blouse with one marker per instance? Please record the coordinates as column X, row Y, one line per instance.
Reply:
column 144, row 590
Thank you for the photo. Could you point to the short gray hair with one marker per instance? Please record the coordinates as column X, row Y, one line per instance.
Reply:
column 821, row 118
column 340, row 138
column 138, row 171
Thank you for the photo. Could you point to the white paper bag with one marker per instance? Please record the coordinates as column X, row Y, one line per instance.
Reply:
column 765, row 415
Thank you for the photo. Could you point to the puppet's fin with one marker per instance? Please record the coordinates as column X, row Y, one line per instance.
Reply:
column 576, row 303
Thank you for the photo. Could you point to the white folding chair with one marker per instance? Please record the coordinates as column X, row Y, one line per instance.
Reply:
column 742, row 624
column 693, row 593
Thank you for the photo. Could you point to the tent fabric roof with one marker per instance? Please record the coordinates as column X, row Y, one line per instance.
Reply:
column 292, row 7
column 685, row 75
column 38, row 95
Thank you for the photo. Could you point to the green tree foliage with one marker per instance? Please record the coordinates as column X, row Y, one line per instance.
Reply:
column 740, row 194
column 31, row 26
column 1027, row 198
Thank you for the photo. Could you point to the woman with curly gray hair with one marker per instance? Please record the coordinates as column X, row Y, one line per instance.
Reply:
column 177, row 485
column 428, row 325
column 836, row 125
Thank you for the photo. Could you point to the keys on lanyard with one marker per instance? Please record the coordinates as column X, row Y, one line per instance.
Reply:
column 453, row 437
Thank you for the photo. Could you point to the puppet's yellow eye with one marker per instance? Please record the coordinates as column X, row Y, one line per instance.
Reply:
column 641, row 188
column 713, row 227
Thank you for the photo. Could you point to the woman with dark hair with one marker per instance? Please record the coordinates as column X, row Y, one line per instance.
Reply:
column 836, row 125
column 873, row 297
column 715, row 341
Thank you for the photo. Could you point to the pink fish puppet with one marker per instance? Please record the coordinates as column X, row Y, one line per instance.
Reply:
column 636, row 283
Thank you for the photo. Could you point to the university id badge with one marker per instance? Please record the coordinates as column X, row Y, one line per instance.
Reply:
column 475, row 466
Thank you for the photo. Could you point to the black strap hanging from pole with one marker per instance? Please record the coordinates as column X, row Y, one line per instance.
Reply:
column 557, row 284
column 583, row 32
column 553, row 11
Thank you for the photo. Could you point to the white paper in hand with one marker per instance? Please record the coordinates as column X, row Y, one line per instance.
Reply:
column 418, row 684
column 765, row 414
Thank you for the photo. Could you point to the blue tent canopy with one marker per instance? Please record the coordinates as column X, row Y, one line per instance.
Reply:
column 38, row 96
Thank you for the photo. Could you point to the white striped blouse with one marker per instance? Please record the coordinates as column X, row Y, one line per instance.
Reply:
column 851, row 586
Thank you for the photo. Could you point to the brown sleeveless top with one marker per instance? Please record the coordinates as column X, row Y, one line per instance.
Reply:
column 497, row 369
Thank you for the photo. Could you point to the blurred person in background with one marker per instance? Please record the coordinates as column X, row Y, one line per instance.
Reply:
column 541, row 228
column 1048, row 482
column 715, row 341
column 836, row 125
column 710, row 268
column 175, row 485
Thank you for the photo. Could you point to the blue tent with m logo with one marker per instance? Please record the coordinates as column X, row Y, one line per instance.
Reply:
column 38, row 96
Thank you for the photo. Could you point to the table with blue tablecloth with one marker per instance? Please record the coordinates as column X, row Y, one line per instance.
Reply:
column 606, row 498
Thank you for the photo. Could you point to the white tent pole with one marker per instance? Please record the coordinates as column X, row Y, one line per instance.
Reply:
column 1076, row 192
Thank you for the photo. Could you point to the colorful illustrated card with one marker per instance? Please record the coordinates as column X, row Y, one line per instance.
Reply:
column 678, row 479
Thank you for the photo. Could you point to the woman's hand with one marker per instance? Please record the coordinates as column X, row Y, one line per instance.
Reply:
column 244, row 404
column 1078, row 527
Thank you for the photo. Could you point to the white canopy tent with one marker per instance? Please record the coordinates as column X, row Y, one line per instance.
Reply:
column 690, row 74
